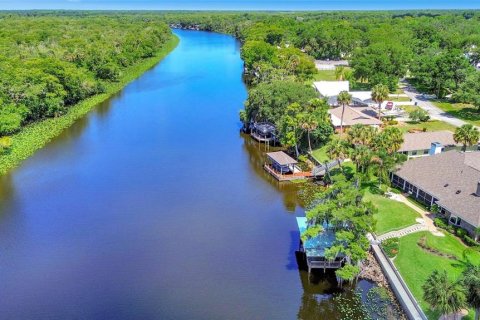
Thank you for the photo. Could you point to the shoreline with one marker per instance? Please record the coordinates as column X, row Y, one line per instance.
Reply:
column 35, row 136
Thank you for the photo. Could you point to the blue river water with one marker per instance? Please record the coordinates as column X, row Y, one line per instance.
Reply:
column 154, row 206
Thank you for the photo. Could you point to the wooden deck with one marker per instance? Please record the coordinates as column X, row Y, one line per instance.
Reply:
column 260, row 138
column 289, row 176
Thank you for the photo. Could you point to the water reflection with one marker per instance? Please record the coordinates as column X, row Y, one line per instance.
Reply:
column 256, row 154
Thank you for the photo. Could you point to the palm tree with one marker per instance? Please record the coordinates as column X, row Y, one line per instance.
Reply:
column 361, row 134
column 337, row 149
column 379, row 94
column 361, row 155
column 343, row 98
column 383, row 163
column 309, row 123
column 340, row 73
column 471, row 281
column 390, row 140
column 442, row 294
column 467, row 134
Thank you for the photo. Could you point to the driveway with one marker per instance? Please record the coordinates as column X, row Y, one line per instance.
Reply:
column 423, row 101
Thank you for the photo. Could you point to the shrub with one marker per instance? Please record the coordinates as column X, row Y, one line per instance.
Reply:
column 461, row 233
column 470, row 242
column 391, row 247
column 440, row 222
column 419, row 115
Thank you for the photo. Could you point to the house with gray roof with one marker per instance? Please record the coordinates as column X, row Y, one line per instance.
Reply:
column 419, row 144
column 451, row 180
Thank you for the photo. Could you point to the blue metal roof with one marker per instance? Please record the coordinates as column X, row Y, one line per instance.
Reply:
column 315, row 247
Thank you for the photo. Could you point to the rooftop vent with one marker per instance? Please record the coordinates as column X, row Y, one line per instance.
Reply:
column 446, row 185
column 478, row 189
column 458, row 191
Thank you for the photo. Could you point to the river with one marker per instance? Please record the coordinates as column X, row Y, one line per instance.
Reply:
column 154, row 206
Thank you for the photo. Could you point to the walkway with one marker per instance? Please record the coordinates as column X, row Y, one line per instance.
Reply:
column 403, row 294
column 427, row 217
column 402, row 232
column 423, row 101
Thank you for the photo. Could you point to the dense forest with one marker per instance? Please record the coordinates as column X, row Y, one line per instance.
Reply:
column 439, row 48
column 49, row 62
column 436, row 50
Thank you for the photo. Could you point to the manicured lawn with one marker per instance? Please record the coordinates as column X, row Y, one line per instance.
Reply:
column 415, row 264
column 398, row 99
column 409, row 109
column 392, row 215
column 320, row 154
column 325, row 75
column 432, row 125
column 462, row 111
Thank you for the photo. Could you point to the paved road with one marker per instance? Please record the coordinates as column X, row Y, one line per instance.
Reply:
column 423, row 101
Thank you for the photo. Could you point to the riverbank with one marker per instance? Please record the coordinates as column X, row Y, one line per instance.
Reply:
column 37, row 135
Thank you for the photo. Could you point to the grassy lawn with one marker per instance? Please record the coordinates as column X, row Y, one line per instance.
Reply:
column 432, row 125
column 320, row 154
column 415, row 264
column 398, row 99
column 409, row 109
column 324, row 75
column 392, row 215
column 462, row 111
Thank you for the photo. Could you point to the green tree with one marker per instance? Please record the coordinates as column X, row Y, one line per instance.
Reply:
column 379, row 94
column 442, row 294
column 389, row 140
column 361, row 155
column 469, row 91
column 471, row 282
column 347, row 273
column 361, row 134
column 338, row 149
column 290, row 127
column 256, row 51
column 419, row 115
column 269, row 101
column 467, row 135
column 442, row 72
column 344, row 98
column 381, row 62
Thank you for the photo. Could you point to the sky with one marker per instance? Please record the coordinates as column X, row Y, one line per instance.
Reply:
column 238, row 4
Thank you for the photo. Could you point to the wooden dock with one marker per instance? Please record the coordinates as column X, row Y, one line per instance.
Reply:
column 287, row 176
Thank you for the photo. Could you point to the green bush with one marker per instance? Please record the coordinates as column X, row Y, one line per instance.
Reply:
column 419, row 115
column 440, row 222
column 461, row 233
column 470, row 242
column 391, row 247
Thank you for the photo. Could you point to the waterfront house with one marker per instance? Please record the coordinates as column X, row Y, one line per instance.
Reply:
column 311, row 252
column 352, row 116
column 450, row 180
